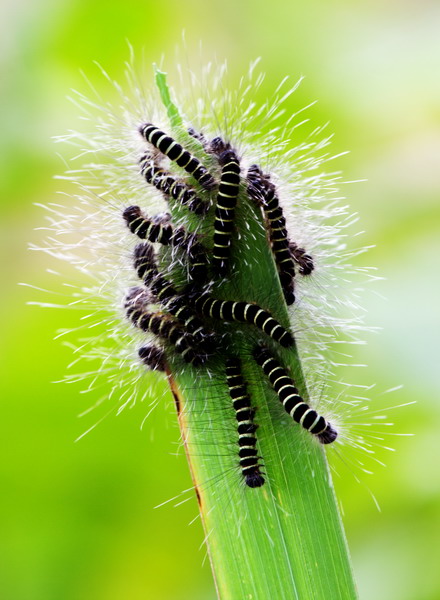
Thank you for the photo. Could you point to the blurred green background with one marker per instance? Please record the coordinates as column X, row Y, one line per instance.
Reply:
column 78, row 520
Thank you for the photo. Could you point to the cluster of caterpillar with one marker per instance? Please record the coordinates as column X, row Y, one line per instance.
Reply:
column 186, row 321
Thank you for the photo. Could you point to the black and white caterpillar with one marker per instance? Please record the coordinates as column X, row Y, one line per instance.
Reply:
column 291, row 400
column 243, row 312
column 171, row 186
column 174, row 151
column 225, row 208
column 244, row 414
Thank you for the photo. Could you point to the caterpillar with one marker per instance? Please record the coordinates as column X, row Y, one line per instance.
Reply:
column 153, row 357
column 225, row 209
column 258, row 182
column 243, row 312
column 302, row 259
column 174, row 151
column 289, row 396
column 163, row 290
column 170, row 186
column 136, row 303
column 158, row 229
column 263, row 191
column 244, row 413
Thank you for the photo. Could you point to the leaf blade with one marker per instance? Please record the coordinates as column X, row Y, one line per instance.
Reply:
column 284, row 540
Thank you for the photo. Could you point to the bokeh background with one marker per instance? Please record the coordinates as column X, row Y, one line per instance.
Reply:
column 78, row 520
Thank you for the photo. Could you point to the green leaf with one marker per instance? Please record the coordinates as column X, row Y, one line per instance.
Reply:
column 285, row 539
column 173, row 113
column 174, row 116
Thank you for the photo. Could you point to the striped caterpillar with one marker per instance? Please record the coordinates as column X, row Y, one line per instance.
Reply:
column 171, row 186
column 174, row 151
column 244, row 414
column 225, row 209
column 291, row 400
column 243, row 312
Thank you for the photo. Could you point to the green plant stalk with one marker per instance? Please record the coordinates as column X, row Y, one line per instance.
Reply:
column 284, row 540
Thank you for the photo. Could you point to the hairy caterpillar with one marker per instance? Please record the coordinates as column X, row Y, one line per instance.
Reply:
column 176, row 153
column 244, row 412
column 262, row 189
column 225, row 209
column 170, row 186
column 244, row 312
column 292, row 402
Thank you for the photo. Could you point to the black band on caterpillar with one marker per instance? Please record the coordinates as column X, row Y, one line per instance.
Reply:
column 262, row 190
column 244, row 414
column 170, row 186
column 243, row 312
column 289, row 397
column 153, row 357
column 176, row 153
column 136, row 305
column 225, row 209
column 163, row 290
column 158, row 229
column 302, row 259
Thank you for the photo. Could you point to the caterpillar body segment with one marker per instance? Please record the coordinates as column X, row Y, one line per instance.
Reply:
column 244, row 413
column 256, row 183
column 291, row 400
column 243, row 312
column 263, row 191
column 174, row 151
column 288, row 287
